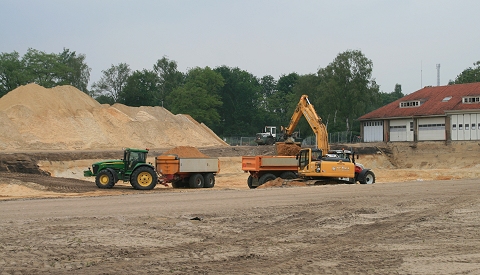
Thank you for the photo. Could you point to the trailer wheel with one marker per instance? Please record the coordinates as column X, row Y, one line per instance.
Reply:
column 368, row 178
column 144, row 178
column 266, row 177
column 288, row 175
column 250, row 182
column 105, row 179
column 209, row 180
column 196, row 181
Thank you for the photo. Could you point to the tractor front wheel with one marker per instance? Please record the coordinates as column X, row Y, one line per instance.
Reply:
column 105, row 179
column 144, row 178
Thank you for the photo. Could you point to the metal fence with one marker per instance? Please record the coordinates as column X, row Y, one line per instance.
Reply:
column 344, row 137
column 240, row 141
column 338, row 137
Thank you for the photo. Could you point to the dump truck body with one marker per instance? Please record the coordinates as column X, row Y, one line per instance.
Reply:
column 193, row 172
column 266, row 168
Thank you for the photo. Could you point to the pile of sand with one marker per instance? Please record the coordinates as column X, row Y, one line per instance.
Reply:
column 65, row 118
column 287, row 149
column 186, row 152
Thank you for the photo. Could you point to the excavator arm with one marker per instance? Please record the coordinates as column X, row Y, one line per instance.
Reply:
column 306, row 109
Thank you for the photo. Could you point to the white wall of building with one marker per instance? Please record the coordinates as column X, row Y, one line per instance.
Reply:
column 465, row 126
column 372, row 131
column 432, row 128
column 401, row 130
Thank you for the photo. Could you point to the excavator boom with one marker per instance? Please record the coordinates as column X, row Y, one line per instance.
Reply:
column 306, row 109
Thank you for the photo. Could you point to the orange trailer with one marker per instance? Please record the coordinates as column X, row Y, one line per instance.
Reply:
column 266, row 168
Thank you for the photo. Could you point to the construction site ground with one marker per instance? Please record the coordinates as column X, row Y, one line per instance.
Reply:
column 420, row 217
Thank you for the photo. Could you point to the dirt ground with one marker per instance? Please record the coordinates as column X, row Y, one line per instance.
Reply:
column 420, row 217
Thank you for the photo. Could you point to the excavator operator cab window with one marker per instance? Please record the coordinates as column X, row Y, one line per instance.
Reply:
column 316, row 155
column 303, row 159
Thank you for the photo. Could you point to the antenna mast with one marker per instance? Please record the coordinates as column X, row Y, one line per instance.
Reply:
column 438, row 74
column 421, row 74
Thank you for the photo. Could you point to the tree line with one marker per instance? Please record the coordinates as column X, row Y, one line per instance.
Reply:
column 231, row 101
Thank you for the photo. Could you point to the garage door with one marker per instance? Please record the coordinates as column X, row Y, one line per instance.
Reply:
column 372, row 131
column 401, row 130
column 431, row 128
column 465, row 127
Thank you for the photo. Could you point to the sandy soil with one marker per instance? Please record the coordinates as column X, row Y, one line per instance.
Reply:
column 391, row 228
column 420, row 217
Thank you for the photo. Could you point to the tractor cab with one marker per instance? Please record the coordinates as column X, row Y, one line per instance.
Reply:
column 132, row 157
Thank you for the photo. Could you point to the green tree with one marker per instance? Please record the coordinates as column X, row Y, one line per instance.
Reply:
column 241, row 97
column 169, row 79
column 283, row 101
column 140, row 89
column 199, row 97
column 306, row 85
column 76, row 72
column 386, row 98
column 105, row 99
column 469, row 75
column 269, row 87
column 112, row 82
column 346, row 91
column 47, row 70
column 12, row 72
column 42, row 68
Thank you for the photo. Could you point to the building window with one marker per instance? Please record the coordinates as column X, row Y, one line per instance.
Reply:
column 411, row 126
column 408, row 104
column 373, row 123
column 440, row 126
column 454, row 127
column 401, row 128
column 446, row 99
column 460, row 126
column 466, row 126
column 471, row 99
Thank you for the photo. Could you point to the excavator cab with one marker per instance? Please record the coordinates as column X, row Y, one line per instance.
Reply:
column 316, row 154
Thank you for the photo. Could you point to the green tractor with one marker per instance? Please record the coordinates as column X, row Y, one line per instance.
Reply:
column 133, row 168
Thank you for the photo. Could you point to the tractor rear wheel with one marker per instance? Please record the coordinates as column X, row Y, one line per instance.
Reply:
column 144, row 178
column 105, row 179
column 196, row 181
column 209, row 180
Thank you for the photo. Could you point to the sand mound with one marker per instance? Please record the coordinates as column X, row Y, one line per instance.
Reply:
column 186, row 152
column 287, row 149
column 279, row 182
column 65, row 118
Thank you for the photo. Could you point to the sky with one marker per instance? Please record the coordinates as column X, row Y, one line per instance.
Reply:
column 404, row 39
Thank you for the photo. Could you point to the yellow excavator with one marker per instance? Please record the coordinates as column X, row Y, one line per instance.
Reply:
column 322, row 163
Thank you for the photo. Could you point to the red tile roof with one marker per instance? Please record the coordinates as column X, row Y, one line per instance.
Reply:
column 431, row 98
